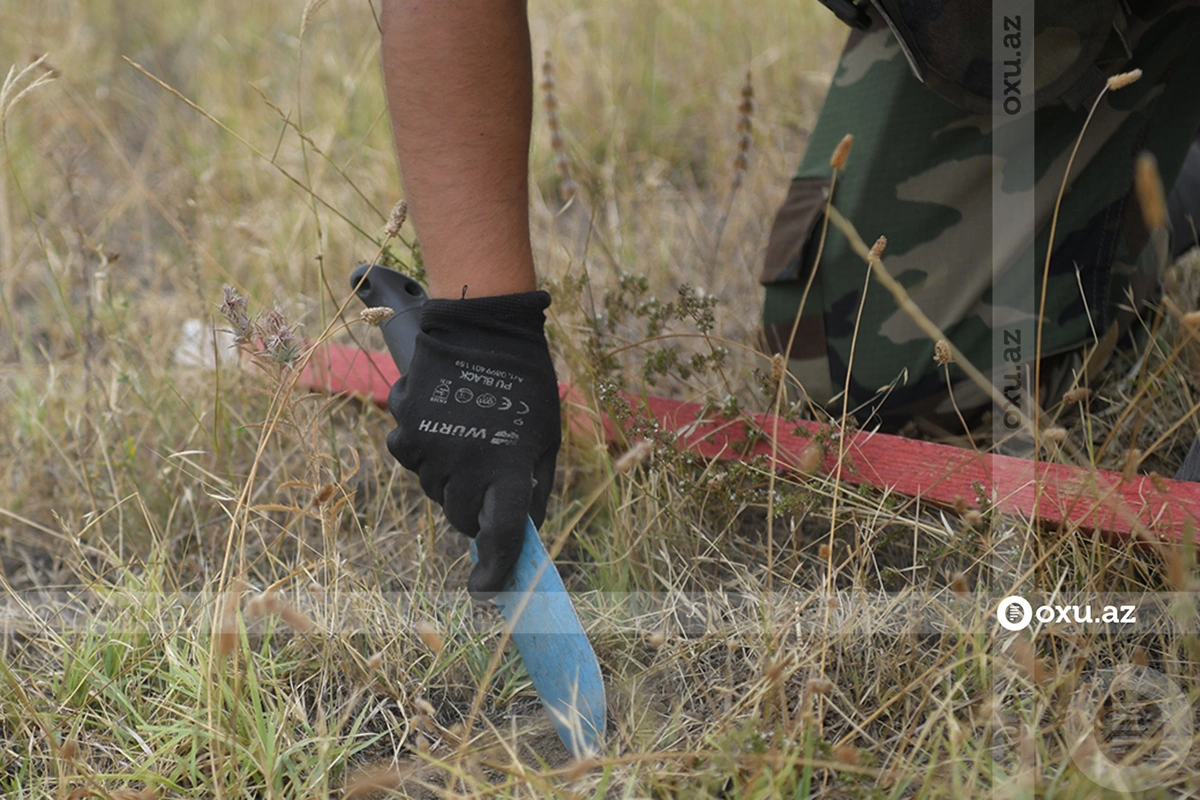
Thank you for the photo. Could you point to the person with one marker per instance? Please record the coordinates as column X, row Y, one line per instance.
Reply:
column 478, row 417
column 459, row 82
column 921, row 173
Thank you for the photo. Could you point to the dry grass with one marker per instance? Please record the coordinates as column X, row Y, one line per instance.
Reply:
column 219, row 587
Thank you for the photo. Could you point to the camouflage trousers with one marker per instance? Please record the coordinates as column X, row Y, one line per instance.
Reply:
column 921, row 173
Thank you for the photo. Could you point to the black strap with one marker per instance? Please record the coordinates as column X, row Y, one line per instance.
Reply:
column 1190, row 469
column 1084, row 90
column 849, row 12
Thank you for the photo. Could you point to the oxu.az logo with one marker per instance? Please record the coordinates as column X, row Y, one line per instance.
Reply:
column 1016, row 613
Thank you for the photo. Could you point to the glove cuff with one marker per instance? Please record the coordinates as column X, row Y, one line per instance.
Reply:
column 521, row 316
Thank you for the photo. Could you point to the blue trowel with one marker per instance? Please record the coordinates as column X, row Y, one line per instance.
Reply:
column 535, row 604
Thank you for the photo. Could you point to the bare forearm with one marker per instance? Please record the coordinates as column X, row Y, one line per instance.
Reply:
column 459, row 86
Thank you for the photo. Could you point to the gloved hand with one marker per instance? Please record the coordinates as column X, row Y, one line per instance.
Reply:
column 478, row 419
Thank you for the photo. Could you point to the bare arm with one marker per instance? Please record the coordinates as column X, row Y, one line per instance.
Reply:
column 459, row 81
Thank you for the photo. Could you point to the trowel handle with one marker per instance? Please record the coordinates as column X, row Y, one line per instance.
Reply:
column 377, row 285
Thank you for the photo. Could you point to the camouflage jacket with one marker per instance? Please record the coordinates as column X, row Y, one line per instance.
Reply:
column 949, row 44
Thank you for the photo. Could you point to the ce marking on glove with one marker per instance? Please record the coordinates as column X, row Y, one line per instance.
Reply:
column 487, row 401
column 508, row 403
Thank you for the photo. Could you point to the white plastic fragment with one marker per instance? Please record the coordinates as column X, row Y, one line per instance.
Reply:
column 203, row 347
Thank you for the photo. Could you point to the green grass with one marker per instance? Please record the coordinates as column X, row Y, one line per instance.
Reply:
column 184, row 620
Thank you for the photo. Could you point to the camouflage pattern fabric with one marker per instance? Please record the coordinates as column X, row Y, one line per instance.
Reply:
column 948, row 44
column 921, row 173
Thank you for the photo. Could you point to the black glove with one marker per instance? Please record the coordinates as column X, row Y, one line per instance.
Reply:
column 478, row 420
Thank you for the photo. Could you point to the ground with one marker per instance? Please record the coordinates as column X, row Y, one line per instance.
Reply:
column 220, row 586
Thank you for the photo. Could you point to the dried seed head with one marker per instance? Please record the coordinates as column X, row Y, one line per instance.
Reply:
column 127, row 794
column 958, row 584
column 656, row 639
column 877, row 249
column 941, row 352
column 633, row 456
column 1148, row 186
column 988, row 708
column 1191, row 319
column 1133, row 459
column 422, row 744
column 841, row 152
column 1055, row 434
column 778, row 368
column 823, row 552
column 376, row 315
column 1123, row 79
column 567, row 189
column 396, row 219
column 745, row 125
column 254, row 608
column 280, row 339
column 820, row 686
column 1077, row 395
column 833, row 602
column 746, row 106
column 234, row 310
column 774, row 670
column 1023, row 656
column 960, row 505
column 310, row 10
column 810, row 461
column 323, row 494
column 430, row 637
column 846, row 753
column 1140, row 657
column 270, row 602
column 424, row 708
column 227, row 629
column 68, row 750
column 375, row 662
column 972, row 518
column 294, row 618
column 42, row 61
